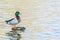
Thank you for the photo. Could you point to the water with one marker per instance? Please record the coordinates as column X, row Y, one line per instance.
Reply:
column 41, row 18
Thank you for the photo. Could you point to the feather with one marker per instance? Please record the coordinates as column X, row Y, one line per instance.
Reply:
column 12, row 21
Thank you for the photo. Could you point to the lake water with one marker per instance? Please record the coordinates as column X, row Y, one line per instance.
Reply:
column 41, row 18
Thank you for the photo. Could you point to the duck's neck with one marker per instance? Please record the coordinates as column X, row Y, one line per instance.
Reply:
column 17, row 17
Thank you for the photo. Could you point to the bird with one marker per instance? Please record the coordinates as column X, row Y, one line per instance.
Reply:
column 14, row 21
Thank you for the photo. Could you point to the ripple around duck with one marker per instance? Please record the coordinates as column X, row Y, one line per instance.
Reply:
column 38, row 35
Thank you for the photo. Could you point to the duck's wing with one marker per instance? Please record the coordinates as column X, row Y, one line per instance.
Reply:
column 12, row 21
column 9, row 20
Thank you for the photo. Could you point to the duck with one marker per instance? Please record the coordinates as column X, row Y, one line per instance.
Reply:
column 14, row 21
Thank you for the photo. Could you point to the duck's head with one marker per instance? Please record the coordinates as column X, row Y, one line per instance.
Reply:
column 17, row 13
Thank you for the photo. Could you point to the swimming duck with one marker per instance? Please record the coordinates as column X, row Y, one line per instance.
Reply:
column 14, row 21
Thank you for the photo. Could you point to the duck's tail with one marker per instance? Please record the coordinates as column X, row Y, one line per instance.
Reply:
column 6, row 22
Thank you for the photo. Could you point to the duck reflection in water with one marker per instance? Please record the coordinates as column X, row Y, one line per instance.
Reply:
column 13, row 35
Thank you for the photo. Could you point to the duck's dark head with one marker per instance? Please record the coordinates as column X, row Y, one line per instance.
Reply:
column 17, row 13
